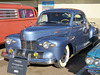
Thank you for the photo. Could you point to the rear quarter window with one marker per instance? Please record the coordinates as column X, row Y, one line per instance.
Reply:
column 26, row 13
column 79, row 19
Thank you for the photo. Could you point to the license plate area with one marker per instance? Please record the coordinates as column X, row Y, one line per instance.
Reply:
column 17, row 66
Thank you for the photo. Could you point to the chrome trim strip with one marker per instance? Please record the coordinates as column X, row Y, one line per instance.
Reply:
column 8, row 15
column 92, row 68
column 94, row 72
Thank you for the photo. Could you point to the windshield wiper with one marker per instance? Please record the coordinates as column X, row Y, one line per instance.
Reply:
column 56, row 22
column 44, row 22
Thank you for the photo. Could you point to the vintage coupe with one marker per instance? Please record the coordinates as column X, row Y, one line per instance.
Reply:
column 93, row 60
column 58, row 34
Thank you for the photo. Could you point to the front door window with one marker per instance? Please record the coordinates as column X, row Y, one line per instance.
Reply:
column 78, row 20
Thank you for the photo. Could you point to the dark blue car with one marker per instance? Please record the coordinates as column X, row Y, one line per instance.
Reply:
column 58, row 34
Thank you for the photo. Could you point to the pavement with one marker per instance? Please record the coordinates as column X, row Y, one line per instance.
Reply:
column 75, row 66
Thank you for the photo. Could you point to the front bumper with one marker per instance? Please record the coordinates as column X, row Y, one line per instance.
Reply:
column 93, row 70
column 44, row 61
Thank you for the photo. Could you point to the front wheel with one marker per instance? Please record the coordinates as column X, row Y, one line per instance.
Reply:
column 63, row 61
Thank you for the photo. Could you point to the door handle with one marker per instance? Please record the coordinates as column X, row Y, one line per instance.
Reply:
column 31, row 23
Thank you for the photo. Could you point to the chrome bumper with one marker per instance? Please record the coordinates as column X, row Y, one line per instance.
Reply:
column 32, row 61
column 42, row 61
column 93, row 70
column 5, row 55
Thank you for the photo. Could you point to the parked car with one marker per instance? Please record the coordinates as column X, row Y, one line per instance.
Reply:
column 14, row 17
column 93, row 60
column 57, row 34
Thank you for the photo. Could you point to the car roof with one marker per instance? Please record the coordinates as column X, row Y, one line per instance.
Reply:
column 14, row 6
column 70, row 10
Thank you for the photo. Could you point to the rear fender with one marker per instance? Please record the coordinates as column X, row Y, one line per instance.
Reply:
column 92, row 31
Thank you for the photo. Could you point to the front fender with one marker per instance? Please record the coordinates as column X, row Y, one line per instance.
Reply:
column 61, row 43
column 17, row 44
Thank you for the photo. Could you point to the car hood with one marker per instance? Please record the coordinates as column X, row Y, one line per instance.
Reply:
column 95, row 52
column 36, row 32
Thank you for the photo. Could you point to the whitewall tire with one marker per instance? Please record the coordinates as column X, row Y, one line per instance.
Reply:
column 63, row 61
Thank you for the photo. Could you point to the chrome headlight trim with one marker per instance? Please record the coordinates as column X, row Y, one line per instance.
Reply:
column 46, row 45
column 97, row 62
column 8, row 41
column 89, row 60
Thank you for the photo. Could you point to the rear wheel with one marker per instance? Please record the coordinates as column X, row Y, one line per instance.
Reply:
column 63, row 61
column 94, row 40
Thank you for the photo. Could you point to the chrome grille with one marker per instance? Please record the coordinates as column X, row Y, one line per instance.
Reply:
column 31, row 45
column 18, row 53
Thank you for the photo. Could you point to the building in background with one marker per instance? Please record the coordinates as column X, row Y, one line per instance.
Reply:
column 46, row 5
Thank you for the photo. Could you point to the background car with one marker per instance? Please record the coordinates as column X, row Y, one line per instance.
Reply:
column 93, row 60
column 14, row 17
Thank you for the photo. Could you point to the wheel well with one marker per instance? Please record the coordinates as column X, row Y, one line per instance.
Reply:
column 71, row 49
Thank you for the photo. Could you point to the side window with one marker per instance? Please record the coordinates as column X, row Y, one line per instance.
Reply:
column 78, row 19
column 26, row 13
column 44, row 18
column 8, row 14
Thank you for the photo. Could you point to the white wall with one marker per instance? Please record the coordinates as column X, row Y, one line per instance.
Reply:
column 91, row 10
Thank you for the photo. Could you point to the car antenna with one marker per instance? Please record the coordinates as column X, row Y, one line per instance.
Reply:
column 25, row 27
column 31, row 23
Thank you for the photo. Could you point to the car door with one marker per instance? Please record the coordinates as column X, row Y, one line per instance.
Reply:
column 78, row 31
column 86, row 32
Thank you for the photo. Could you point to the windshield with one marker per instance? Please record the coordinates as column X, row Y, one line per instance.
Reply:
column 51, row 18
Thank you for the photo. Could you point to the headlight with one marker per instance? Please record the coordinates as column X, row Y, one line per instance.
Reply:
column 8, row 41
column 46, row 45
column 97, row 62
column 89, row 61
